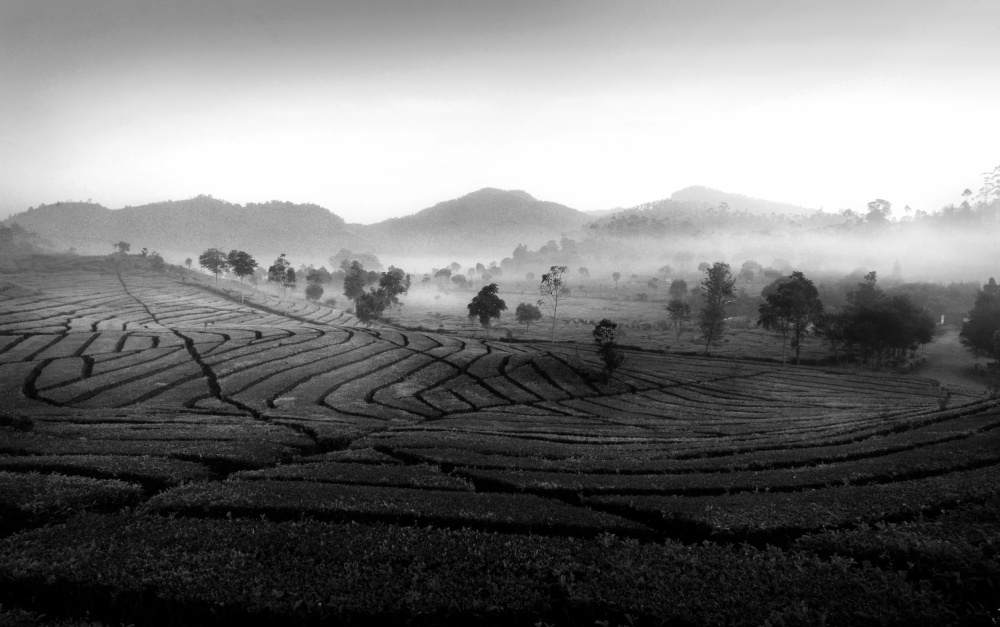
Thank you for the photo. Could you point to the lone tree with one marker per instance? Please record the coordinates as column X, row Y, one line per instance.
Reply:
column 679, row 312
column 678, row 289
column 980, row 332
column 716, row 289
column 606, row 335
column 282, row 273
column 242, row 265
column 526, row 313
column 553, row 289
column 122, row 247
column 794, row 306
column 215, row 261
column 487, row 306
column 616, row 276
column 188, row 262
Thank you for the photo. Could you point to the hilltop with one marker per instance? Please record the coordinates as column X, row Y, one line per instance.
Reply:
column 704, row 197
column 183, row 227
column 495, row 218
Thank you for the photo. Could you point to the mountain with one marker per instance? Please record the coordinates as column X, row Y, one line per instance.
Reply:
column 708, row 197
column 186, row 227
column 486, row 222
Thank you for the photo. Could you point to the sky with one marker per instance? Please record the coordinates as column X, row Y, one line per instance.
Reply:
column 375, row 109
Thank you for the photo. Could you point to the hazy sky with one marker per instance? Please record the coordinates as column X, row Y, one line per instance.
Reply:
column 374, row 108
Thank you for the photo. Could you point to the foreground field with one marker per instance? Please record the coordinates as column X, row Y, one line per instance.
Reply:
column 168, row 456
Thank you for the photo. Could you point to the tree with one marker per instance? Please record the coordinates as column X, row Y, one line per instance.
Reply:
column 460, row 281
column 679, row 312
column 314, row 291
column 487, row 306
column 979, row 331
column 122, row 247
column 606, row 335
column 678, row 288
column 794, row 307
column 529, row 276
column 278, row 273
column 392, row 284
column 526, row 313
column 455, row 266
column 616, row 276
column 553, row 289
column 716, row 289
column 242, row 265
column 368, row 307
column 584, row 273
column 749, row 270
column 289, row 282
column 885, row 328
column 215, row 261
column 188, row 261
column 156, row 262
column 355, row 279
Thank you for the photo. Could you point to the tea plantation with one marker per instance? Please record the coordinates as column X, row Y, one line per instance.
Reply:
column 169, row 456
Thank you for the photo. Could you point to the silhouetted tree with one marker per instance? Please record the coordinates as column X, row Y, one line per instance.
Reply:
column 553, row 289
column 678, row 289
column 156, row 262
column 314, row 291
column 122, row 247
column 242, row 265
column 487, row 306
column 793, row 307
column 278, row 273
column 616, row 276
column 526, row 313
column 188, row 262
column 215, row 261
column 679, row 312
column 716, row 289
column 355, row 280
column 980, row 332
column 606, row 335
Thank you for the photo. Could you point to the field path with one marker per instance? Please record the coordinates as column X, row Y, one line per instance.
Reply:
column 951, row 363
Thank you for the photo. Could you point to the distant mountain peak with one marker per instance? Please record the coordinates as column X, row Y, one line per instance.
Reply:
column 736, row 202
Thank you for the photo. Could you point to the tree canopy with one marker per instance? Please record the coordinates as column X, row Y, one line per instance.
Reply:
column 981, row 332
column 215, row 261
column 487, row 306
column 526, row 313
column 716, row 289
column 607, row 335
column 793, row 307
column 553, row 289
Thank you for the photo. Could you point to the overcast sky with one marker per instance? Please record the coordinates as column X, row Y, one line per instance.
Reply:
column 376, row 109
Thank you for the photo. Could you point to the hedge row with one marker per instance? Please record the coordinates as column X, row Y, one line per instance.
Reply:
column 421, row 476
column 973, row 452
column 223, row 455
column 291, row 500
column 165, row 571
column 29, row 499
column 777, row 517
column 152, row 472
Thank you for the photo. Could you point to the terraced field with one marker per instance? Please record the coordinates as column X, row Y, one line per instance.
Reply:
column 169, row 456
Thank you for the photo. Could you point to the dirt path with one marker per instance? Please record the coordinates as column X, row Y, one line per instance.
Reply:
column 952, row 364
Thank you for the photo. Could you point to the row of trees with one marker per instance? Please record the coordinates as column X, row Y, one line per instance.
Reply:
column 879, row 328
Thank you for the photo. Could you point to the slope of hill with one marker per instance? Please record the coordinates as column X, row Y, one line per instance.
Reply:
column 187, row 226
column 708, row 197
column 492, row 218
